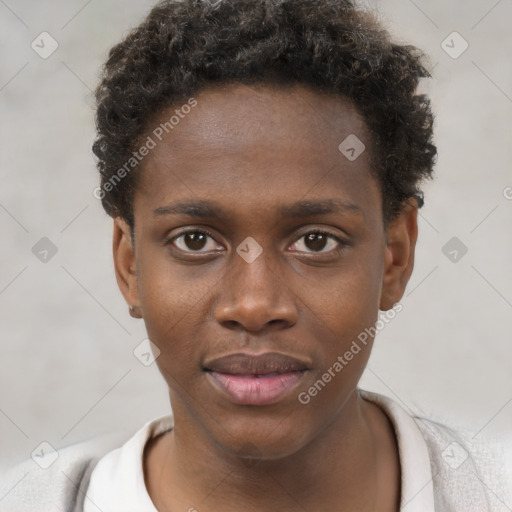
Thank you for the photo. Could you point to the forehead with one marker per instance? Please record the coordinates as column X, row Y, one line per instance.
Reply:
column 229, row 115
column 263, row 142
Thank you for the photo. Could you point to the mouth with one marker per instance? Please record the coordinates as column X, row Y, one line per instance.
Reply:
column 262, row 379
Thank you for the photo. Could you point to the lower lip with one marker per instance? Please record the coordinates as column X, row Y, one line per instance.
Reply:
column 262, row 390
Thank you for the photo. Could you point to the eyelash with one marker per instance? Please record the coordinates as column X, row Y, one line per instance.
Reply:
column 203, row 231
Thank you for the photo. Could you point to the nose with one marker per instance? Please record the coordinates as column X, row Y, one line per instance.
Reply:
column 255, row 297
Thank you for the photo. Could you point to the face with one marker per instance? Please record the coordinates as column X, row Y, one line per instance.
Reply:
column 260, row 257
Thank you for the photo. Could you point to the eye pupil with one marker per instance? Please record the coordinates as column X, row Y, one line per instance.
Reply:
column 312, row 241
column 194, row 238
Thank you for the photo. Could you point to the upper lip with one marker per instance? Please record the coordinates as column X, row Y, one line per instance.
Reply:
column 251, row 364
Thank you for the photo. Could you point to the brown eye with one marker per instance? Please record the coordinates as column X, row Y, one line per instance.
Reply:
column 193, row 241
column 316, row 241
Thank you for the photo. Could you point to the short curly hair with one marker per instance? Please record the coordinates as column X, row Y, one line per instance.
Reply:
column 331, row 46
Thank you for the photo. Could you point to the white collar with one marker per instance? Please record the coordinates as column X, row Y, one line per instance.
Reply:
column 117, row 482
column 417, row 494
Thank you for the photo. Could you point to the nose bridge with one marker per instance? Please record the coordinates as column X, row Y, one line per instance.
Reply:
column 253, row 293
column 251, row 267
column 251, row 275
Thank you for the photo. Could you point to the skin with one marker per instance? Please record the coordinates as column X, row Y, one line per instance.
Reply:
column 251, row 150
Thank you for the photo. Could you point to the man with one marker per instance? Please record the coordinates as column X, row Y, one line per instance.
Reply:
column 262, row 162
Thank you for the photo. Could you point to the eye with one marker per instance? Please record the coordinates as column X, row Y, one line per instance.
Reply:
column 195, row 240
column 192, row 241
column 318, row 240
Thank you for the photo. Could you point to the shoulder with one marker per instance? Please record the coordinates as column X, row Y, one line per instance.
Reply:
column 468, row 473
column 58, row 481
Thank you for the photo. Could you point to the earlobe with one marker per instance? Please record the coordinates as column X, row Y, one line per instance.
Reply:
column 125, row 265
column 402, row 234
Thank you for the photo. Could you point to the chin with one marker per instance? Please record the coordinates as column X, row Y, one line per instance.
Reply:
column 268, row 440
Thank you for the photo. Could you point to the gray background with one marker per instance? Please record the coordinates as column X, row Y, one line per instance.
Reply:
column 67, row 368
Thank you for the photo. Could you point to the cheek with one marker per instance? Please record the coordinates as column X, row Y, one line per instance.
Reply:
column 345, row 312
column 173, row 311
column 343, row 342
column 349, row 299
column 168, row 291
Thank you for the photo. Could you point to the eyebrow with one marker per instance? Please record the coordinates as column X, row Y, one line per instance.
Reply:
column 205, row 209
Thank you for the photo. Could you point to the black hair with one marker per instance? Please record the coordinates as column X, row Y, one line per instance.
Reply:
column 183, row 46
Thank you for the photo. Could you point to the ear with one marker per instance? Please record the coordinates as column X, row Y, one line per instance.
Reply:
column 402, row 234
column 125, row 264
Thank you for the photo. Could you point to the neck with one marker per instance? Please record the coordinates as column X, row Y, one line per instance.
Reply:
column 343, row 468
